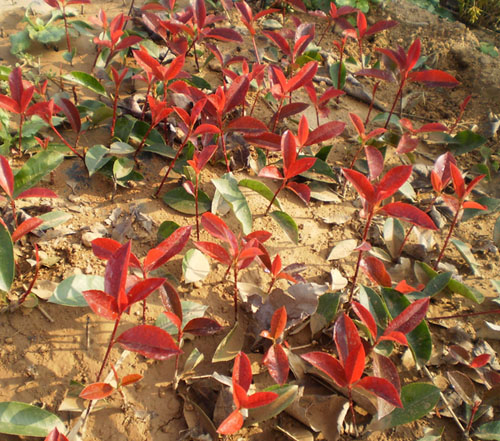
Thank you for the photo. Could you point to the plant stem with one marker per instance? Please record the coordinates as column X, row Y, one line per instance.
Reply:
column 21, row 122
column 66, row 28
column 276, row 115
column 223, row 141
column 115, row 107
column 351, row 406
column 66, row 143
column 235, row 291
column 173, row 162
column 255, row 49
column 32, row 283
column 146, row 102
column 450, row 232
column 196, row 207
column 141, row 145
column 275, row 196
column 14, row 215
column 400, row 90
column 374, row 91
column 324, row 32
column 196, row 56
column 110, row 345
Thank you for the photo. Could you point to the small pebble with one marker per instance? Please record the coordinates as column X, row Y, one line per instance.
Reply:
column 8, row 340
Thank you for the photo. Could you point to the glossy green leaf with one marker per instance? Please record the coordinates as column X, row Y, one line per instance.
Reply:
column 334, row 74
column 53, row 218
column 228, row 188
column 180, row 200
column 122, row 168
column 86, row 80
column 7, row 266
column 489, row 431
column 465, row 141
column 69, row 291
column 394, row 234
column 432, row 434
column 466, row 253
column 124, row 127
column 195, row 266
column 34, row 169
column 286, row 222
column 121, row 148
column 190, row 310
column 96, row 158
column 372, row 301
column 261, row 188
column 418, row 400
column 26, row 420
column 231, row 344
column 419, row 339
column 328, row 304
column 166, row 229
column 286, row 396
column 455, row 286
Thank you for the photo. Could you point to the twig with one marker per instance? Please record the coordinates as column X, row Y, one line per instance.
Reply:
column 45, row 314
column 87, row 334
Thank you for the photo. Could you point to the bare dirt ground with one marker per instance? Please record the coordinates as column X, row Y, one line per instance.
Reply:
column 40, row 354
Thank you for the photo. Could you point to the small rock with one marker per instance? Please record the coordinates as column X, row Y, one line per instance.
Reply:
column 197, row 285
column 73, row 198
column 8, row 340
column 88, row 237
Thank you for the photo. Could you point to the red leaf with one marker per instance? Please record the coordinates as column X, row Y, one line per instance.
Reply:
column 480, row 361
column 215, row 251
column 200, row 12
column 279, row 41
column 7, row 103
column 201, row 158
column 413, row 56
column 71, row 113
column 452, row 202
column 288, row 150
column 303, row 76
column 170, row 299
column 375, row 161
column 246, row 124
column 355, row 364
column 6, row 176
column 396, row 336
column 346, row 337
column 289, row 110
column 247, row 256
column 26, row 227
column 432, row 127
column 357, row 122
column 301, row 190
column 392, row 180
column 143, row 289
column 175, row 319
column 380, row 26
column 278, row 322
column 105, row 248
column 366, row 317
column 131, row 379
column 474, row 205
column 381, row 388
column 102, row 304
column 327, row 364
column 37, row 192
column 150, row 341
column 472, row 184
column 167, row 249
column 325, row 132
column 275, row 270
column 55, row 435
column 203, row 129
column 16, row 85
column 96, row 391
column 434, row 78
column 224, row 34
column 231, row 424
column 218, row 228
column 361, row 23
column 242, row 371
column 380, row 74
column 410, row 214
column 115, row 276
column 375, row 270
column 361, row 184
column 52, row 3
column 298, row 167
column 127, row 42
column 276, row 362
column 383, row 367
column 458, row 181
column 202, row 326
column 410, row 318
column 270, row 141
column 236, row 93
column 259, row 399
column 407, row 143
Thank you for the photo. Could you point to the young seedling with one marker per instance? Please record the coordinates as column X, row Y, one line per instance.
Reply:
column 347, row 371
column 118, row 78
column 409, row 140
column 242, row 379
column 241, row 252
column 321, row 103
column 291, row 168
column 200, row 159
column 335, row 16
column 275, row 359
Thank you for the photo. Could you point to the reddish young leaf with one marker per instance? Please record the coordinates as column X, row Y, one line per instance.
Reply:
column 407, row 143
column 396, row 336
column 458, row 181
column 289, row 110
column 472, row 184
column 278, row 323
column 384, row 75
column 128, row 42
column 96, row 391
column 170, row 299
column 247, row 124
column 380, row 26
column 375, row 161
column 361, row 23
column 361, row 184
column 474, row 205
column 215, row 251
column 375, row 270
column 150, row 341
column 271, row 172
column 270, row 141
column 346, row 337
column 102, row 304
column 200, row 159
column 366, row 318
column 355, row 364
column 432, row 127
column 383, row 367
column 9, row 104
column 105, row 248
column 26, row 227
column 276, row 362
column 167, row 249
column 72, row 114
column 37, row 192
column 299, row 166
column 131, row 379
column 327, row 364
column 236, row 93
column 301, row 190
column 325, row 132
column 435, row 78
column 143, row 289
column 176, row 320
column 303, row 76
column 382, row 389
column 204, row 129
column 480, row 361
column 410, row 318
column 413, row 56
column 218, row 228
column 392, row 180
column 247, row 255
column 115, row 276
column 357, row 122
column 279, row 41
column 55, row 435
column 259, row 399
column 202, row 326
column 410, row 214
column 242, row 371
column 231, row 424
column 6, row 177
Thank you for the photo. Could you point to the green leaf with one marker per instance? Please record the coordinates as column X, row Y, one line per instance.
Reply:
column 496, row 233
column 372, row 301
column 50, row 34
column 26, row 420
column 286, row 396
column 124, row 127
column 455, row 286
column 82, row 27
column 69, row 291
column 488, row 49
column 53, row 218
column 231, row 344
column 19, row 42
column 96, row 158
column 324, row 152
column 437, row 284
column 166, row 229
column 190, row 311
column 34, row 169
column 394, row 234
column 33, row 126
column 139, row 131
column 325, row 312
column 121, row 148
column 489, row 431
column 86, row 80
column 228, row 188
column 418, row 400
column 288, row 225
column 180, row 200
column 68, row 56
column 334, row 75
column 432, row 434
column 320, row 167
column 261, row 188
column 419, row 339
column 465, row 141
column 122, row 168
column 199, row 83
column 466, row 253
column 195, row 266
column 6, row 260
